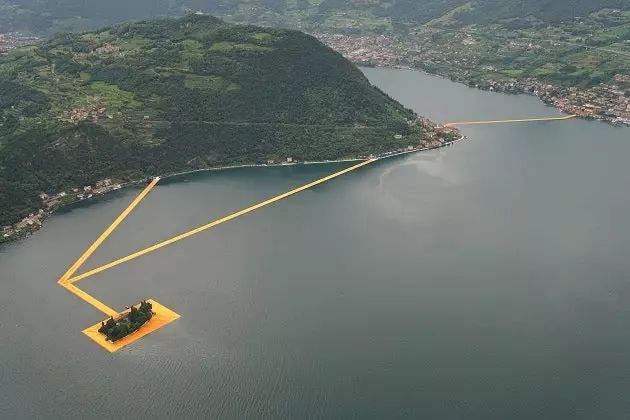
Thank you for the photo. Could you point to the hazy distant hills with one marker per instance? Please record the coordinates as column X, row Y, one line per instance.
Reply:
column 44, row 16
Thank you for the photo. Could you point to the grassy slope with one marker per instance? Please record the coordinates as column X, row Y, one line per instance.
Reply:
column 180, row 94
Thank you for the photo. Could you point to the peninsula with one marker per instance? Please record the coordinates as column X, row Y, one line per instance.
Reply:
column 82, row 114
column 573, row 55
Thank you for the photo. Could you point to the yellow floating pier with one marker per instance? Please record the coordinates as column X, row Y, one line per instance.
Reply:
column 107, row 232
column 566, row 117
column 90, row 299
column 213, row 224
column 163, row 315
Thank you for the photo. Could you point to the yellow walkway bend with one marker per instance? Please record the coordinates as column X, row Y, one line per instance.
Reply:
column 78, row 263
column 163, row 315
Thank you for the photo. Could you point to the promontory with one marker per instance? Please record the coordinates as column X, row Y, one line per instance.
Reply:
column 101, row 108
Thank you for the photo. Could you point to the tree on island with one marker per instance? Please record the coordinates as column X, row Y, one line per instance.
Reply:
column 136, row 317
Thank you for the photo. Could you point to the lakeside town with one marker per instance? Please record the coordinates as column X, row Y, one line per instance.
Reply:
column 52, row 202
column 608, row 102
column 434, row 136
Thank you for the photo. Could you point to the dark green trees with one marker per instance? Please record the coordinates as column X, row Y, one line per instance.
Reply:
column 215, row 94
column 116, row 329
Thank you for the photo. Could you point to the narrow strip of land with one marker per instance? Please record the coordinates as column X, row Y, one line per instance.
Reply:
column 107, row 232
column 215, row 223
column 566, row 117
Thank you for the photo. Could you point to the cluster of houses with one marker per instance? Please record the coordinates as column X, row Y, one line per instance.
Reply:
column 11, row 40
column 92, row 113
column 388, row 51
column 30, row 223
column 287, row 161
column 107, row 49
column 50, row 202
column 607, row 101
column 374, row 50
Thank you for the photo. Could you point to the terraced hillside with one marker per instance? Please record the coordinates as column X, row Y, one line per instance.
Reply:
column 167, row 95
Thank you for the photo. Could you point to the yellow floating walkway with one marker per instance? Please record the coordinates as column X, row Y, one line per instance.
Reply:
column 566, row 117
column 107, row 232
column 162, row 315
column 89, row 299
column 213, row 224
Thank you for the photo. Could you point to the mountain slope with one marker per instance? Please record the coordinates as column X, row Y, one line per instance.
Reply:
column 177, row 94
column 549, row 11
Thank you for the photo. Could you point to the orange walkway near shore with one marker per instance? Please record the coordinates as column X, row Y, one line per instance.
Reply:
column 213, row 224
column 107, row 232
column 566, row 117
column 162, row 315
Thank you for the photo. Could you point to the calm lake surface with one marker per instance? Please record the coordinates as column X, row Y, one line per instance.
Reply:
column 488, row 280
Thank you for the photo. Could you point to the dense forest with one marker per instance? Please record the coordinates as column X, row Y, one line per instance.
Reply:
column 167, row 95
column 44, row 16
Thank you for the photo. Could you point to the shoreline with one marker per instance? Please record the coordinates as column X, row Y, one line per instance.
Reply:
column 600, row 101
column 386, row 155
column 319, row 162
column 253, row 165
column 497, row 88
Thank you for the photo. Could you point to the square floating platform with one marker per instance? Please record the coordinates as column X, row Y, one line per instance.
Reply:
column 162, row 316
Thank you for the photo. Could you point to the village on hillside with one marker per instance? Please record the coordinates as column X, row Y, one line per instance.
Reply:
column 12, row 40
column 606, row 101
column 51, row 202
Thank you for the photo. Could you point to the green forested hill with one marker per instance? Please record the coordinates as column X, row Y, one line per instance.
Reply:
column 176, row 94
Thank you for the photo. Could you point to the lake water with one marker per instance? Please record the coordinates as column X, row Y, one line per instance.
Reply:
column 488, row 280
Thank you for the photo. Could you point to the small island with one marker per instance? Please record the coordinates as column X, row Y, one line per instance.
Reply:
column 127, row 323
